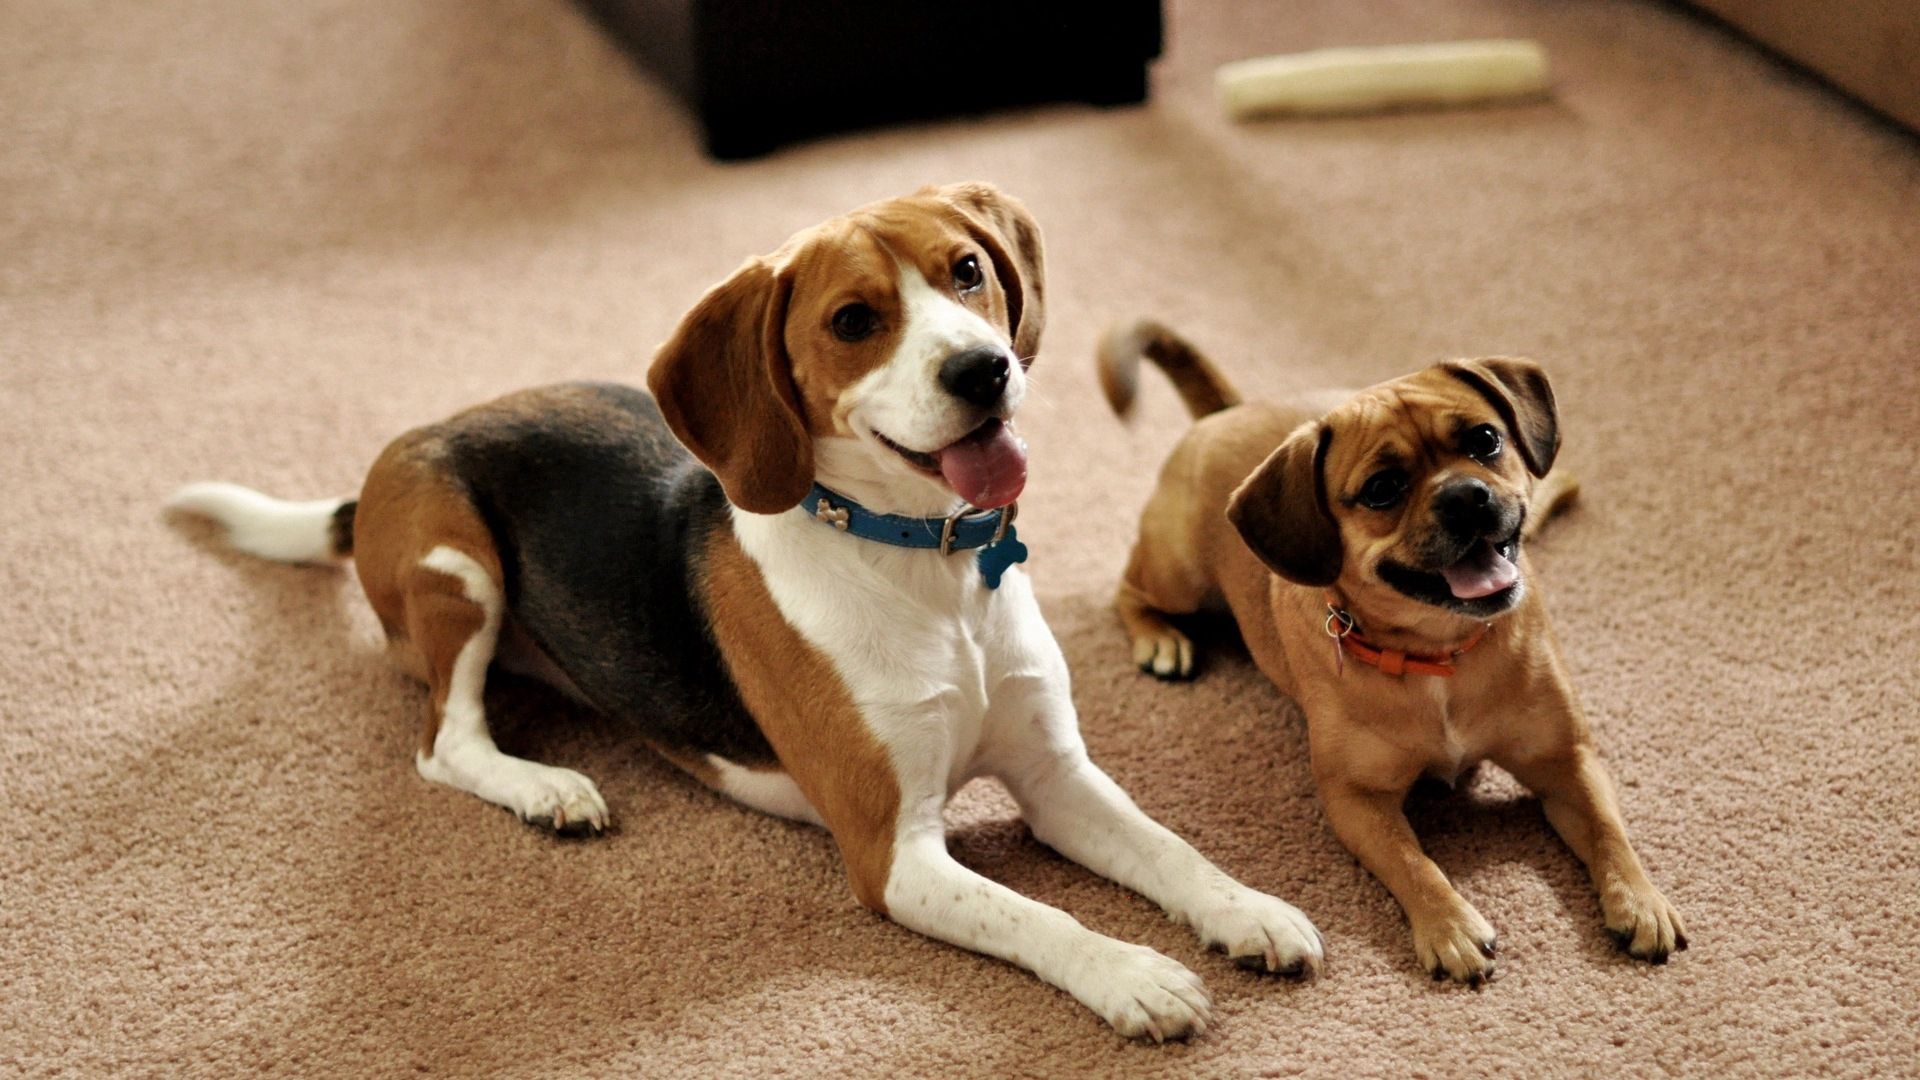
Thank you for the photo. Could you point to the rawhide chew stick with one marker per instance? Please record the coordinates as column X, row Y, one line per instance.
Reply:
column 1354, row 80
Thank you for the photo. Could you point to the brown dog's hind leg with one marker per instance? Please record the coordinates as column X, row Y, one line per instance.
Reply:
column 1159, row 648
column 1166, row 573
column 1151, row 590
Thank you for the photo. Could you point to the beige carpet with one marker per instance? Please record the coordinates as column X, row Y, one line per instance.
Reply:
column 254, row 241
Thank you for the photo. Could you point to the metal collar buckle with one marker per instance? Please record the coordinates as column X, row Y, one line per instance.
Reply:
column 1007, row 514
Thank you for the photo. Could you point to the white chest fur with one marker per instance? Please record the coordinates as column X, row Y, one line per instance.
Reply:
column 924, row 648
column 956, row 680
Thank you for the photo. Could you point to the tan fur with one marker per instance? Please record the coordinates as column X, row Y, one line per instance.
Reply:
column 691, row 764
column 753, row 376
column 746, row 381
column 411, row 503
column 750, row 373
column 806, row 713
column 1200, row 384
column 1371, row 735
column 729, row 378
column 409, row 506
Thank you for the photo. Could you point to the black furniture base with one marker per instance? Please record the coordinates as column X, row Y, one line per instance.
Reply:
column 763, row 74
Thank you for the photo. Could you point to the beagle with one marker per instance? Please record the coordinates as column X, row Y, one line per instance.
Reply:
column 793, row 567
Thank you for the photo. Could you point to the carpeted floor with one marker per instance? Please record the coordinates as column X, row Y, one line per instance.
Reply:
column 255, row 241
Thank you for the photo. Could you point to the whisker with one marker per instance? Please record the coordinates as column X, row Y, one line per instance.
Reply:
column 1037, row 390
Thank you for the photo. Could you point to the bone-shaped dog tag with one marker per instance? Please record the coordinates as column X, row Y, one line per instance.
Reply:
column 997, row 556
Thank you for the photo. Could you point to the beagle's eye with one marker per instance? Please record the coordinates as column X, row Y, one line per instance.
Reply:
column 966, row 274
column 1383, row 489
column 1481, row 443
column 854, row 322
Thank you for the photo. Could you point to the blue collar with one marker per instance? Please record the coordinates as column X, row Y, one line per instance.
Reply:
column 991, row 531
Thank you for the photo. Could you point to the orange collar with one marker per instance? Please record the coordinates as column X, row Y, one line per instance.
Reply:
column 1348, row 641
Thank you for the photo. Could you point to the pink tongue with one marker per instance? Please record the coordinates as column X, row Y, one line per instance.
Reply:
column 1483, row 572
column 987, row 468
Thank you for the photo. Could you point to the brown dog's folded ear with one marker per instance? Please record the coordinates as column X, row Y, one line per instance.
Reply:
column 1520, row 392
column 725, row 386
column 1003, row 226
column 1281, row 510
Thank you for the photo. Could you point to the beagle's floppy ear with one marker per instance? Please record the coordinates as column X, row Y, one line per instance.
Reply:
column 1519, row 391
column 1002, row 225
column 1281, row 510
column 725, row 385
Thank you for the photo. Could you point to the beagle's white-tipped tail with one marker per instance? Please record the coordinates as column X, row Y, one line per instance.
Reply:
column 316, row 531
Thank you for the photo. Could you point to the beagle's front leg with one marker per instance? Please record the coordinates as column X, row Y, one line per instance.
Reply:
column 1075, row 808
column 1135, row 989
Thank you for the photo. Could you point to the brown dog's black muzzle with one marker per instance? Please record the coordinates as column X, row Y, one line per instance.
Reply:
column 1468, row 510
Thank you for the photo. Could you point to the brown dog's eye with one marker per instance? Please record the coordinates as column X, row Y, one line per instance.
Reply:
column 855, row 321
column 1383, row 489
column 966, row 274
column 1481, row 443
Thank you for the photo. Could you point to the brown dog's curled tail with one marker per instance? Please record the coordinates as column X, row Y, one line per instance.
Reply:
column 1200, row 384
column 1553, row 494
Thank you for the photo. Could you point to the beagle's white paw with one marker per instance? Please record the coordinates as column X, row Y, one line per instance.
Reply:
column 543, row 795
column 1142, row 993
column 1263, row 933
column 562, row 800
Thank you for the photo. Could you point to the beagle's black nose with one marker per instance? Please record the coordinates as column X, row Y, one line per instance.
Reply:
column 977, row 376
column 1466, row 508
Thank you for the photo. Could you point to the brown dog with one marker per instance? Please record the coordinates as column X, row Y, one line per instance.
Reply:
column 1371, row 557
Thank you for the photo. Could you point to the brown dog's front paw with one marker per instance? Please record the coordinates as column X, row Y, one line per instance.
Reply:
column 1643, row 923
column 1165, row 653
column 1457, row 945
